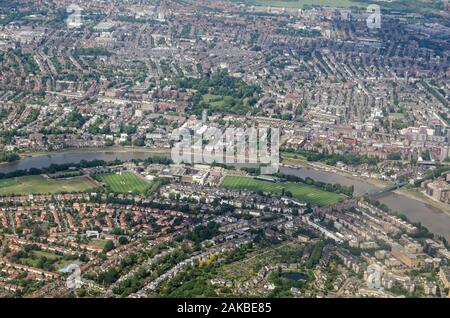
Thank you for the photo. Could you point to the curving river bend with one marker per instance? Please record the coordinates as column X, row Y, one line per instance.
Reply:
column 417, row 211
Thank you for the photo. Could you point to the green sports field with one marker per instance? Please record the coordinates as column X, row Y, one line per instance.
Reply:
column 301, row 192
column 127, row 182
column 40, row 185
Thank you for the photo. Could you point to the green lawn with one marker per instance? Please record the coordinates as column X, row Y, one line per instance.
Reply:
column 48, row 254
column 40, row 185
column 301, row 192
column 127, row 182
column 291, row 155
column 36, row 258
column 397, row 116
column 33, row 262
column 98, row 243
column 217, row 102
column 35, row 255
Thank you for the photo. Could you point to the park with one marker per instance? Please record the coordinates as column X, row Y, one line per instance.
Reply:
column 302, row 192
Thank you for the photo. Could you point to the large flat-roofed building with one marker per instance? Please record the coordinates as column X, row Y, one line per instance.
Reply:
column 403, row 256
column 439, row 190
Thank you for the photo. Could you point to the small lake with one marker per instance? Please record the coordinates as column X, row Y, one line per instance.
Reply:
column 295, row 276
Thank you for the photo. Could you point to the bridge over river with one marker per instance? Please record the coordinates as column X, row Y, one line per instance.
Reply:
column 391, row 188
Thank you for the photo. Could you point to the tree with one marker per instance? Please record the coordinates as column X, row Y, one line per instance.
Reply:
column 108, row 246
column 139, row 142
column 38, row 230
column 426, row 155
column 123, row 240
column 394, row 156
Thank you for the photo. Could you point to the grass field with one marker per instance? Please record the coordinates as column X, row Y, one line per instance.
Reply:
column 293, row 159
column 301, row 192
column 217, row 101
column 48, row 254
column 40, row 185
column 127, row 182
column 35, row 258
column 98, row 243
column 397, row 116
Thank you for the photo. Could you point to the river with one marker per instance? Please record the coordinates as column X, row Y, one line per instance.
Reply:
column 42, row 161
column 417, row 211
column 434, row 219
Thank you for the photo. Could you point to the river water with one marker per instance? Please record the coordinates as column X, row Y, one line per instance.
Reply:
column 435, row 220
column 72, row 157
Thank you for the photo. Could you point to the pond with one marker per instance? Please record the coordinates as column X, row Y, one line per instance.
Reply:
column 295, row 276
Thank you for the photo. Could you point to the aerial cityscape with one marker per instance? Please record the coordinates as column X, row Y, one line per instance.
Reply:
column 225, row 148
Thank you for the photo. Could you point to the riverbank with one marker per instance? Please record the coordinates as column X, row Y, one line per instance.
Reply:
column 120, row 149
column 295, row 163
column 416, row 194
column 286, row 162
column 416, row 209
column 43, row 159
column 415, row 205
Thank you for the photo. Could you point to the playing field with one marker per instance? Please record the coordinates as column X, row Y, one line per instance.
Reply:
column 35, row 258
column 126, row 182
column 301, row 192
column 40, row 185
column 98, row 243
